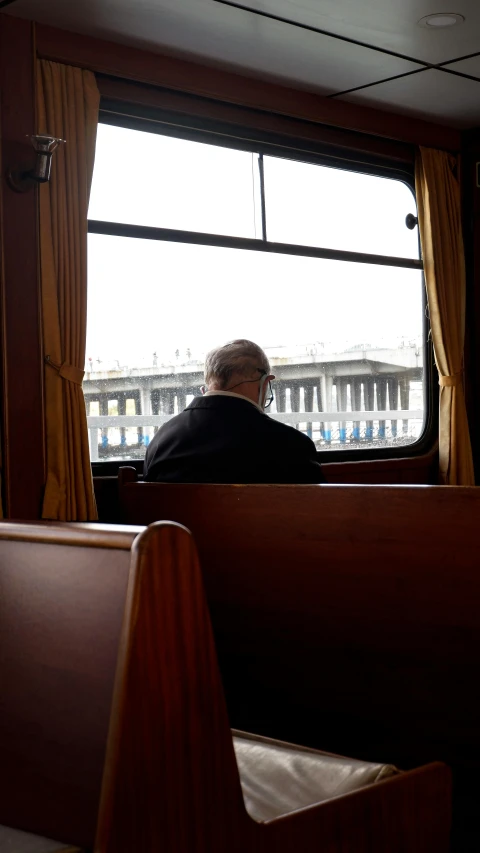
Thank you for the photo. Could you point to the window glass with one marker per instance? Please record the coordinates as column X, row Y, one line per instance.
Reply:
column 344, row 339
column 314, row 205
column 149, row 179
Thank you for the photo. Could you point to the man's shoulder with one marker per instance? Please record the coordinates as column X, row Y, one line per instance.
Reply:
column 173, row 425
column 284, row 429
column 174, row 422
column 286, row 433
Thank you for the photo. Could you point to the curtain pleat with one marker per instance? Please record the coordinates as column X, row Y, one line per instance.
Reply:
column 439, row 215
column 68, row 103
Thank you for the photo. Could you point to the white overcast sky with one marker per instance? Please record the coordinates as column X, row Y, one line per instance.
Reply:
column 149, row 296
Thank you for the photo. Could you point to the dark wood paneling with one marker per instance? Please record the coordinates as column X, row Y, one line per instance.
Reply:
column 275, row 128
column 471, row 217
column 61, row 610
column 171, row 781
column 130, row 63
column 346, row 617
column 415, row 470
column 410, row 471
column 23, row 436
column 106, row 496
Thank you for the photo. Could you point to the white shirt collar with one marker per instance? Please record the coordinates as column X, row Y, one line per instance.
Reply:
column 232, row 394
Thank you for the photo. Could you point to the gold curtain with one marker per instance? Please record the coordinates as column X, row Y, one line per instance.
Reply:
column 68, row 103
column 439, row 216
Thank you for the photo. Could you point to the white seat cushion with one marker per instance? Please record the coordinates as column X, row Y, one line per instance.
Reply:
column 14, row 841
column 278, row 778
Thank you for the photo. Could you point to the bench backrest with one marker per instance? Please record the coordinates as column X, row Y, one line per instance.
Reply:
column 75, row 602
column 79, row 603
column 171, row 781
column 346, row 617
column 62, row 597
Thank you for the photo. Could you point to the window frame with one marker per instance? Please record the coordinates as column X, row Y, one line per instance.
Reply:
column 357, row 159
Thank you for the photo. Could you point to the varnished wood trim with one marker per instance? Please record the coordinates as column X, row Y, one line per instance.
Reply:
column 120, row 537
column 408, row 470
column 290, row 132
column 170, row 777
column 256, row 489
column 23, row 422
column 471, row 223
column 3, row 364
column 398, row 814
column 132, row 64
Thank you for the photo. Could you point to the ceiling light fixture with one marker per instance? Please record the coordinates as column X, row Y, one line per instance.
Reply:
column 440, row 20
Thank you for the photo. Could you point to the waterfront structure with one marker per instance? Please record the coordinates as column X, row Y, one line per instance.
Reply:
column 337, row 398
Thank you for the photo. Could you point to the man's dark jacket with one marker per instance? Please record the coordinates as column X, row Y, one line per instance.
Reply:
column 222, row 439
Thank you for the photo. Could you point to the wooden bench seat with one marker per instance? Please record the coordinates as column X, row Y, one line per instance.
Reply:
column 346, row 617
column 278, row 778
column 171, row 779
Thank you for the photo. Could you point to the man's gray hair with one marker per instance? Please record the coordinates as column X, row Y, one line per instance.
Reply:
column 237, row 358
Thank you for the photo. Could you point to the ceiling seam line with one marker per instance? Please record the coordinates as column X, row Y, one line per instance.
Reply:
column 458, row 74
column 321, row 32
column 378, row 82
column 459, row 59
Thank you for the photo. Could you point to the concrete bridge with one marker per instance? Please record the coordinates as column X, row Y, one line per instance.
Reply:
column 362, row 385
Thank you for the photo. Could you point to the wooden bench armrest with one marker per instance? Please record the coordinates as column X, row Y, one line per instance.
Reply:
column 409, row 813
column 126, row 474
column 170, row 766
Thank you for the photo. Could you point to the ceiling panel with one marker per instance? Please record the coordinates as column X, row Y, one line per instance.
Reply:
column 467, row 66
column 431, row 95
column 388, row 24
column 218, row 34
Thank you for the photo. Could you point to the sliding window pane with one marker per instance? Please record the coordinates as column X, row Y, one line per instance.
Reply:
column 344, row 340
column 315, row 205
column 149, row 179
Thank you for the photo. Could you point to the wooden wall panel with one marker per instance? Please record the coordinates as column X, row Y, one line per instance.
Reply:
column 413, row 470
column 471, row 215
column 106, row 496
column 409, row 471
column 291, row 131
column 23, row 440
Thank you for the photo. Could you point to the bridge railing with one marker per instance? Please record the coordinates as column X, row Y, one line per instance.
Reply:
column 353, row 427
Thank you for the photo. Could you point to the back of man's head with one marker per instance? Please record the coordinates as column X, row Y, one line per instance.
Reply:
column 237, row 360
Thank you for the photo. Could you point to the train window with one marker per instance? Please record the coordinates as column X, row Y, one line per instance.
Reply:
column 316, row 206
column 171, row 182
column 200, row 243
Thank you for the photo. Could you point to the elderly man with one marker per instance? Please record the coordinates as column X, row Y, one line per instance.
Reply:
column 225, row 435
